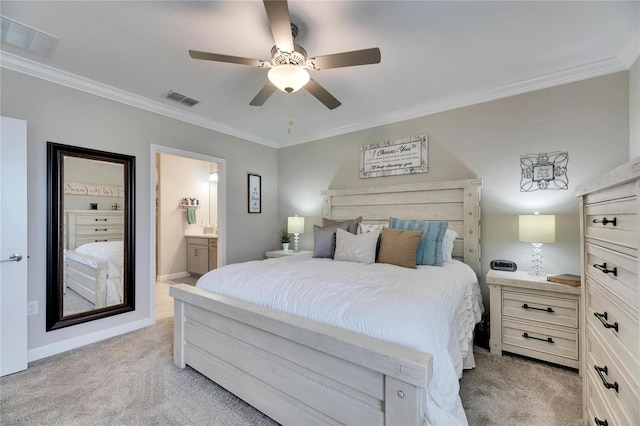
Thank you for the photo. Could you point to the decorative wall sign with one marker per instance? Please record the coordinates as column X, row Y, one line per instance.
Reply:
column 93, row 189
column 544, row 171
column 255, row 193
column 398, row 157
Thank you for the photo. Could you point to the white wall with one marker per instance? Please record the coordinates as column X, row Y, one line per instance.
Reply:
column 60, row 114
column 634, row 110
column 588, row 119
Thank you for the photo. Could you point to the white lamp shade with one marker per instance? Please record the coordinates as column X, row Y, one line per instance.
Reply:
column 292, row 77
column 295, row 225
column 537, row 228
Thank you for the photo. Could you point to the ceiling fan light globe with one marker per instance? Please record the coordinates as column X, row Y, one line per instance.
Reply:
column 288, row 78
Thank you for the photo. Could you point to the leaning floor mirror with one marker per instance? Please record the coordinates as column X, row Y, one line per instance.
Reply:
column 90, row 235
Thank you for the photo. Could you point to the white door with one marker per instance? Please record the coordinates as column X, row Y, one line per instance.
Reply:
column 13, row 245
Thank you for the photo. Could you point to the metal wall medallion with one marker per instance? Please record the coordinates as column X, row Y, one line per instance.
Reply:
column 542, row 171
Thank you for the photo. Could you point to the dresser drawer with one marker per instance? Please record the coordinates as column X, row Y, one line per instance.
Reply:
column 551, row 310
column 97, row 238
column 99, row 230
column 111, row 219
column 524, row 336
column 624, row 401
column 596, row 407
column 618, row 192
column 615, row 271
column 614, row 222
column 620, row 334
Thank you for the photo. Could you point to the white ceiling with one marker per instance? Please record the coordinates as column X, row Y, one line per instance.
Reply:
column 435, row 56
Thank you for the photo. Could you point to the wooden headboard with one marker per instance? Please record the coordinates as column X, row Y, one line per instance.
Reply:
column 456, row 201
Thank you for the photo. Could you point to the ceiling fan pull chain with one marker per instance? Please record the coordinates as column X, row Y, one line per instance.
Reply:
column 290, row 117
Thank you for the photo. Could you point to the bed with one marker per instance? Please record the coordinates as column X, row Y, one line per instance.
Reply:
column 93, row 255
column 302, row 370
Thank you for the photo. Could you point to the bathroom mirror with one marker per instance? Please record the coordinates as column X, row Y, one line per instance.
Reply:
column 90, row 235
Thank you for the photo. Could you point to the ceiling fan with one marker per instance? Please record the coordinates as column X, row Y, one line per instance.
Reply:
column 289, row 62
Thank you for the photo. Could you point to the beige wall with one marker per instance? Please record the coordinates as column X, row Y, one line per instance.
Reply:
column 179, row 177
column 588, row 119
column 634, row 110
column 59, row 114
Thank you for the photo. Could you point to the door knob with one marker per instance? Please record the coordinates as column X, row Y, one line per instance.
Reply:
column 13, row 258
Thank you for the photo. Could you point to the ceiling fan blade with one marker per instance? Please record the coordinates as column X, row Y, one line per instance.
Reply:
column 347, row 59
column 322, row 95
column 263, row 94
column 195, row 54
column 278, row 14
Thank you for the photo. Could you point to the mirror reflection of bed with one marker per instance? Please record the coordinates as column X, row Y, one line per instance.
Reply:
column 93, row 235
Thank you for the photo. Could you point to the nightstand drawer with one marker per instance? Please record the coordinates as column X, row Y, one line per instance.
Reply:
column 620, row 333
column 530, row 336
column 599, row 222
column 624, row 400
column 550, row 310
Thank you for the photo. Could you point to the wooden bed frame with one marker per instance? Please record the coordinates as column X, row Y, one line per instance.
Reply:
column 298, row 371
column 84, row 274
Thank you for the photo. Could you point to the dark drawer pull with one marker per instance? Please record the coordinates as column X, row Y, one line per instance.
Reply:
column 604, row 269
column 604, row 221
column 101, row 220
column 99, row 241
column 548, row 339
column 550, row 310
column 600, row 422
column 103, row 230
column 606, row 384
column 603, row 317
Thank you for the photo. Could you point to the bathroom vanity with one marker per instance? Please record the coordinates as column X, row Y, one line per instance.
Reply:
column 202, row 253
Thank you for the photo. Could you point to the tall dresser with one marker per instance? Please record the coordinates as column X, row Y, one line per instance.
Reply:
column 610, row 297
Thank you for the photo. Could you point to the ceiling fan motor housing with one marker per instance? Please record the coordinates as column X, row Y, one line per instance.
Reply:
column 297, row 57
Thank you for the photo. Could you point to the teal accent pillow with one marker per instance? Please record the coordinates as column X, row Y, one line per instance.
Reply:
column 430, row 248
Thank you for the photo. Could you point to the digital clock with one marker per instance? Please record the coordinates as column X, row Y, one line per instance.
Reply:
column 504, row 265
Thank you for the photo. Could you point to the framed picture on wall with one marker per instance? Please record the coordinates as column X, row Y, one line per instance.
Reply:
column 255, row 193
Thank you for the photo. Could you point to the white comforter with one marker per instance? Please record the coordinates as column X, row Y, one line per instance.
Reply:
column 113, row 252
column 432, row 309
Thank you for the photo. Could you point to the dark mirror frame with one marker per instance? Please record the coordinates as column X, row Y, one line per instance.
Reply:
column 55, row 235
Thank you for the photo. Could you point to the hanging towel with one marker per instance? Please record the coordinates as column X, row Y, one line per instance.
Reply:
column 191, row 215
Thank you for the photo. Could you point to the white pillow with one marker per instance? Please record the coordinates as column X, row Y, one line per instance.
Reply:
column 447, row 244
column 363, row 228
column 356, row 248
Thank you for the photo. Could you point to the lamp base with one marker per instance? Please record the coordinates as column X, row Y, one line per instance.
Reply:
column 296, row 239
column 536, row 260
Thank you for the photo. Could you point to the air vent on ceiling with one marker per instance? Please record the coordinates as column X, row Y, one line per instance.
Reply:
column 180, row 98
column 26, row 38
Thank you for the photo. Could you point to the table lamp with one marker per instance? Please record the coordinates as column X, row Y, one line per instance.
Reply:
column 295, row 226
column 537, row 229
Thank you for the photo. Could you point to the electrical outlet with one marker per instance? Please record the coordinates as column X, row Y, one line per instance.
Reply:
column 32, row 307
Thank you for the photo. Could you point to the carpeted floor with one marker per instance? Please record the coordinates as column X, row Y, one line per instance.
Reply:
column 131, row 380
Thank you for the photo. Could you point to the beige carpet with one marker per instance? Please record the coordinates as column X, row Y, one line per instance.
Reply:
column 131, row 380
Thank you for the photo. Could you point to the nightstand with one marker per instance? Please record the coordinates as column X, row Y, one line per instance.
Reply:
column 533, row 317
column 283, row 253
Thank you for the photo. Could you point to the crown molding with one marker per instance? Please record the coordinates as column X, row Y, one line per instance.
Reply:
column 596, row 69
column 631, row 50
column 22, row 65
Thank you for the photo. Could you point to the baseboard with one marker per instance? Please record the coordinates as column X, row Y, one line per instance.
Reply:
column 171, row 277
column 76, row 342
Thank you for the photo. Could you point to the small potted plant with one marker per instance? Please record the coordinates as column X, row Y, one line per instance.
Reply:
column 284, row 239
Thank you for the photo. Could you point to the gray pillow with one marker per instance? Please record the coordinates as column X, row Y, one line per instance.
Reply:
column 353, row 223
column 324, row 239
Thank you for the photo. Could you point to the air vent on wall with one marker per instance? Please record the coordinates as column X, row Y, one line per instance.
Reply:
column 180, row 98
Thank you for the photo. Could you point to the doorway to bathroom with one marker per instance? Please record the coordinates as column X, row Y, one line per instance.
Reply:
column 189, row 191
